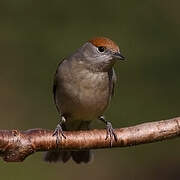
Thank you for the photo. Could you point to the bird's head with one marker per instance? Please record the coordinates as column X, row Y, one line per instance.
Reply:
column 101, row 52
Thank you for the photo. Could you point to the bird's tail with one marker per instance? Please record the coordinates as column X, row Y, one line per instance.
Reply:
column 83, row 156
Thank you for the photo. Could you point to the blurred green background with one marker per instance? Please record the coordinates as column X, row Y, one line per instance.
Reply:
column 36, row 35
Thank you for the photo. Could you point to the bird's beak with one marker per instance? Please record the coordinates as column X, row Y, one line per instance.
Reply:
column 118, row 55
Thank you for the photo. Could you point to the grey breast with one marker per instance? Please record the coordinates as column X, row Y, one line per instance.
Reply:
column 82, row 94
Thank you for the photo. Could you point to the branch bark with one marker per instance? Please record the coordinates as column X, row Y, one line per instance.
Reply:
column 16, row 145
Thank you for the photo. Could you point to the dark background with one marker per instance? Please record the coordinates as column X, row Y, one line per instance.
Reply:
column 36, row 35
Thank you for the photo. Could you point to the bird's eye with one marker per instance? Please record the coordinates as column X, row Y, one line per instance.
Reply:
column 101, row 49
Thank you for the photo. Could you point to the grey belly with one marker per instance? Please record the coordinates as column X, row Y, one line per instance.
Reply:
column 85, row 97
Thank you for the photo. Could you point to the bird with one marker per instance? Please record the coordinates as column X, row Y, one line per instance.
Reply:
column 83, row 88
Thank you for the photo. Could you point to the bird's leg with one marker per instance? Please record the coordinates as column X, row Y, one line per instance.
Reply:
column 58, row 132
column 109, row 129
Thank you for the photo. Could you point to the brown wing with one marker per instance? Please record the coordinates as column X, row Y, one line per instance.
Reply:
column 112, row 79
column 55, row 86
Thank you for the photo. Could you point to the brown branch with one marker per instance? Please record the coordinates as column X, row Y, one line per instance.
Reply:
column 17, row 145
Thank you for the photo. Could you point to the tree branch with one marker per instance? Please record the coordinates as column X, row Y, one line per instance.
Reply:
column 17, row 145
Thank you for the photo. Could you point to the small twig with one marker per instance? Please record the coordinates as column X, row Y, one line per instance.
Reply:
column 17, row 145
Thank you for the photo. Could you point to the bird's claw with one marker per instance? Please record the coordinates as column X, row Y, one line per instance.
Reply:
column 58, row 132
column 110, row 133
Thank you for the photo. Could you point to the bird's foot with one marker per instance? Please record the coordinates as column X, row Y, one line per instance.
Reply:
column 110, row 131
column 58, row 132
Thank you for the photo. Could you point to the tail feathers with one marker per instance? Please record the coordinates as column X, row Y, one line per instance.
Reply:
column 55, row 156
column 84, row 156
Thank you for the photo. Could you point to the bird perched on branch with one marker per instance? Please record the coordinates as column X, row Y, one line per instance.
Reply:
column 83, row 86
